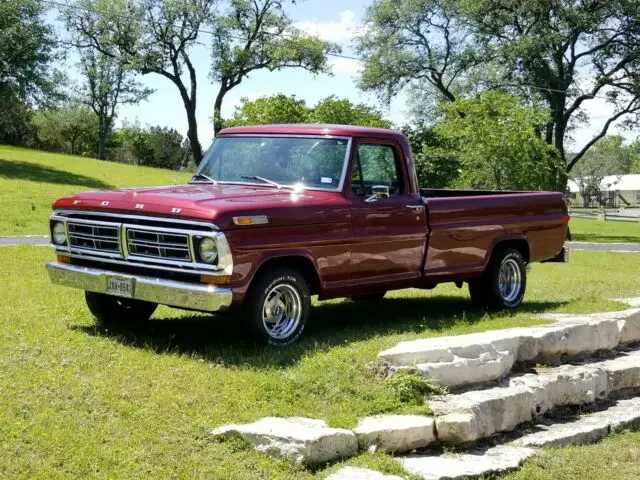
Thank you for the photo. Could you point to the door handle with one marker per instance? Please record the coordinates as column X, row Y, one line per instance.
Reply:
column 415, row 207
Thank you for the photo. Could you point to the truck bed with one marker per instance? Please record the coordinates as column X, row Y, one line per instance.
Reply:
column 452, row 192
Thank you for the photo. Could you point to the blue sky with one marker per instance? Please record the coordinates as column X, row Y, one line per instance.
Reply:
column 334, row 20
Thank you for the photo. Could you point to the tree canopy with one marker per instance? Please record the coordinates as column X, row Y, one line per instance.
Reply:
column 281, row 108
column 157, row 36
column 71, row 128
column 27, row 78
column 560, row 53
column 152, row 37
column 342, row 111
column 27, row 48
column 495, row 141
column 265, row 110
column 257, row 34
column 107, row 83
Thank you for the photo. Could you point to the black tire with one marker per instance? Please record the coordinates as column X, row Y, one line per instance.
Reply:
column 109, row 309
column 489, row 292
column 276, row 309
column 369, row 297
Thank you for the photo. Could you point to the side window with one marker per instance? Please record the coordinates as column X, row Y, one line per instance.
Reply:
column 376, row 165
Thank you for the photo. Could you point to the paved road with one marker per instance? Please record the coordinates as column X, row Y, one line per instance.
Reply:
column 610, row 247
column 42, row 240
column 38, row 240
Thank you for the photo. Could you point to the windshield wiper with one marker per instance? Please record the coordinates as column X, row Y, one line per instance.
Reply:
column 206, row 177
column 262, row 179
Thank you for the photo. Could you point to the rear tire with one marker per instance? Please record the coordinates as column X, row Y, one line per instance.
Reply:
column 277, row 307
column 503, row 284
column 109, row 309
column 369, row 297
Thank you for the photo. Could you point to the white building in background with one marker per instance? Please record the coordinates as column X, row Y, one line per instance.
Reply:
column 616, row 191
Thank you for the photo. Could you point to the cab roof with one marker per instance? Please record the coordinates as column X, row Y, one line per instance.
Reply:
column 310, row 129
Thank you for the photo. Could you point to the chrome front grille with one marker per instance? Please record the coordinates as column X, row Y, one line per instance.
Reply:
column 147, row 243
column 142, row 241
column 101, row 238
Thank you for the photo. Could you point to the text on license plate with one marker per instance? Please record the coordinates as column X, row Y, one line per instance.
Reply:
column 122, row 287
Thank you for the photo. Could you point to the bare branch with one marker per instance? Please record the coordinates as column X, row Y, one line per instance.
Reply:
column 632, row 106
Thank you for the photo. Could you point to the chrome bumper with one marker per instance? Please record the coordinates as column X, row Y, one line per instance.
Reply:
column 208, row 298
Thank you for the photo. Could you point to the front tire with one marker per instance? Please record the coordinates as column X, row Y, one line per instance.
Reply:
column 503, row 284
column 109, row 309
column 277, row 307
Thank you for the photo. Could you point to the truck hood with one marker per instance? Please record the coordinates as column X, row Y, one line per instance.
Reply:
column 216, row 203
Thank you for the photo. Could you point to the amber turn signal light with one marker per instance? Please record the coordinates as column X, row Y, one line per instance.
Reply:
column 63, row 259
column 215, row 279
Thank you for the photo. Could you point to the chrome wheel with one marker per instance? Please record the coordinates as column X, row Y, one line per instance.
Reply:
column 281, row 311
column 510, row 280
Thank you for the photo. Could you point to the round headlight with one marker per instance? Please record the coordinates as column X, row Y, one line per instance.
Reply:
column 59, row 235
column 208, row 250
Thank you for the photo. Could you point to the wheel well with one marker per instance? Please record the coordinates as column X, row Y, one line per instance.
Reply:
column 305, row 266
column 519, row 244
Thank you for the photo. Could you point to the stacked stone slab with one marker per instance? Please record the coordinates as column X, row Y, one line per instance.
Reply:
column 483, row 357
column 395, row 433
column 500, row 401
column 474, row 463
column 477, row 414
column 588, row 428
column 302, row 440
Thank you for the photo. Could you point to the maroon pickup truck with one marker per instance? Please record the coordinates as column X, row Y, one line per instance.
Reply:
column 276, row 214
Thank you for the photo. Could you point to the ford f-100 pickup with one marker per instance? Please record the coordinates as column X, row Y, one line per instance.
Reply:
column 276, row 214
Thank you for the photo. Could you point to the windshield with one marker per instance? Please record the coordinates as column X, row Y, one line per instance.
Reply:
column 315, row 162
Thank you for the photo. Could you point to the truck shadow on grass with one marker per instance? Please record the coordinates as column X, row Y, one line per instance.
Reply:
column 40, row 173
column 220, row 338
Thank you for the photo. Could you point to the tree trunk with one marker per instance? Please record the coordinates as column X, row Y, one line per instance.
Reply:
column 192, row 133
column 102, row 138
column 217, row 111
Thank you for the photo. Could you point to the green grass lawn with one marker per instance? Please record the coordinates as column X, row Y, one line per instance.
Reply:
column 617, row 457
column 82, row 401
column 30, row 180
column 588, row 230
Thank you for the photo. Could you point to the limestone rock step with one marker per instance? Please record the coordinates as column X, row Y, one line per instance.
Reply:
column 477, row 414
column 588, row 428
column 355, row 473
column 482, row 357
column 395, row 433
column 302, row 440
column 474, row 463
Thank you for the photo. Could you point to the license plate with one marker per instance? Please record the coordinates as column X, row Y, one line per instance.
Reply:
column 122, row 287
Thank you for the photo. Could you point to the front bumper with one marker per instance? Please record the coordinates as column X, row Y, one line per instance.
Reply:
column 207, row 298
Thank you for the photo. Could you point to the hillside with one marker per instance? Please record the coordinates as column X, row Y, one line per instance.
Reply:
column 30, row 180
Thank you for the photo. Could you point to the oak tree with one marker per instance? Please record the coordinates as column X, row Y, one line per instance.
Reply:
column 107, row 83
column 151, row 37
column 561, row 53
column 257, row 34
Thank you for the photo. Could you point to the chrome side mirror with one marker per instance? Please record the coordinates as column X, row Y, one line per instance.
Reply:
column 378, row 192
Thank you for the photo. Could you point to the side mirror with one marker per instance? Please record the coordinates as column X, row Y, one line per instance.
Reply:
column 378, row 192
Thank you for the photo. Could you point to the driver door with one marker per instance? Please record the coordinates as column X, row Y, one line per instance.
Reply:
column 388, row 222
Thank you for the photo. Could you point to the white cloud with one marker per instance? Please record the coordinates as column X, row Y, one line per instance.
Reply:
column 345, row 65
column 337, row 31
